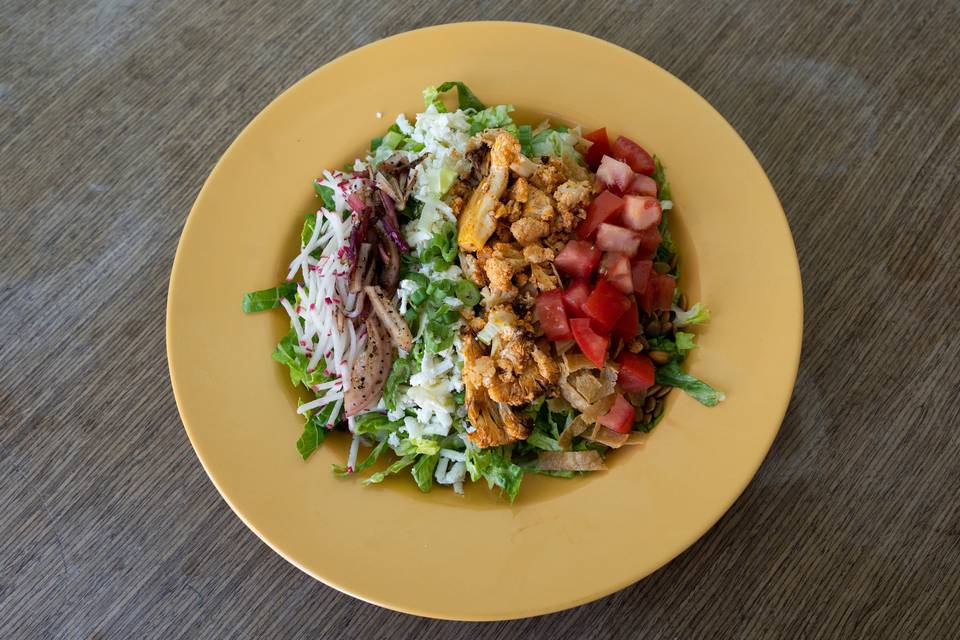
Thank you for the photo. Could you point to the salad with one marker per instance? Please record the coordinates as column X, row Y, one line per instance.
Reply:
column 477, row 299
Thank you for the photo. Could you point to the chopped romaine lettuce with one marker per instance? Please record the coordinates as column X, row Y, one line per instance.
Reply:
column 697, row 314
column 268, row 298
column 672, row 375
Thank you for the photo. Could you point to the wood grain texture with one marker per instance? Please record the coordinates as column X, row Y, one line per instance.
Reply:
column 113, row 112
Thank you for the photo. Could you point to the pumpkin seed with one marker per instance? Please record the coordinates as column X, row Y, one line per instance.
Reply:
column 666, row 327
column 662, row 392
column 683, row 301
column 661, row 267
column 658, row 409
column 660, row 357
column 649, row 404
column 653, row 328
column 673, row 261
column 652, row 391
column 647, row 418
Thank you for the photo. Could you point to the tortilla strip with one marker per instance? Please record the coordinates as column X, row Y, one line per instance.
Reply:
column 570, row 461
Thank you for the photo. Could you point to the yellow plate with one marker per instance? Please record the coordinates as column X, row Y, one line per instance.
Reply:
column 564, row 542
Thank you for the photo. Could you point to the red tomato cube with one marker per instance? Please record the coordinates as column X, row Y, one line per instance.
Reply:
column 636, row 372
column 605, row 305
column 642, row 186
column 628, row 326
column 599, row 148
column 640, row 271
column 548, row 309
column 640, row 212
column 578, row 259
column 610, row 237
column 649, row 241
column 625, row 149
column 616, row 175
column 659, row 293
column 593, row 345
column 615, row 267
column 620, row 417
column 604, row 206
column 575, row 295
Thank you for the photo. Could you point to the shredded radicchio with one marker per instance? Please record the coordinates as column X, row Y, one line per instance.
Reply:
column 390, row 223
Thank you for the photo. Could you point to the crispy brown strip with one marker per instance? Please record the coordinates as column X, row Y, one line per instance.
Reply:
column 570, row 461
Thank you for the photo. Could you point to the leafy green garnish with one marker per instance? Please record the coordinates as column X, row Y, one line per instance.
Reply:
column 423, row 471
column 685, row 341
column 286, row 354
column 672, row 375
column 326, row 194
column 268, row 298
column 660, row 176
column 465, row 98
column 496, row 468
column 420, row 446
column 398, row 465
column 373, row 423
column 676, row 347
column 314, row 433
column 697, row 314
column 491, row 118
column 399, row 377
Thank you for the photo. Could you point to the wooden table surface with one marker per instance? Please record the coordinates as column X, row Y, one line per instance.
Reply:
column 113, row 112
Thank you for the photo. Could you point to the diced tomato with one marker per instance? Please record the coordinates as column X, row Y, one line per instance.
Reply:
column 625, row 149
column 593, row 345
column 620, row 417
column 628, row 325
column 603, row 207
column 649, row 241
column 599, row 148
column 548, row 308
column 641, row 274
column 642, row 185
column 616, row 175
column 605, row 305
column 615, row 267
column 663, row 288
column 659, row 293
column 640, row 212
column 578, row 258
column 610, row 237
column 636, row 372
column 575, row 295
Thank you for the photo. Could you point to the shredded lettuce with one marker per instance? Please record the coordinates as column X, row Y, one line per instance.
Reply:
column 287, row 354
column 672, row 375
column 495, row 467
column 423, row 471
column 465, row 98
column 697, row 314
column 398, row 465
column 491, row 118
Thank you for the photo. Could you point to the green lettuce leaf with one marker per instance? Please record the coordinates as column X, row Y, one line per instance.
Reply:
column 672, row 375
column 465, row 98
column 697, row 314
column 268, row 298
column 491, row 118
column 286, row 354
column 423, row 471
column 314, row 433
column 398, row 465
column 496, row 468
column 326, row 194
